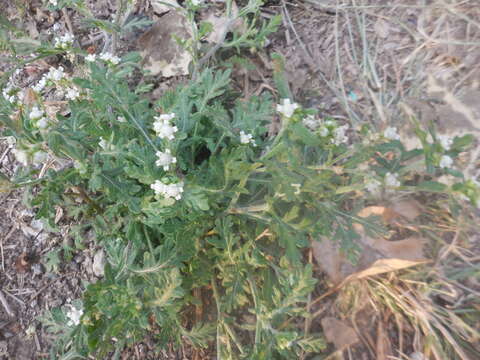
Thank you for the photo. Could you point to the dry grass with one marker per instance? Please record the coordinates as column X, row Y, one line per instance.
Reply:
column 388, row 63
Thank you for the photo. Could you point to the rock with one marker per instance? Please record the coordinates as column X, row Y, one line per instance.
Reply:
column 159, row 47
column 98, row 263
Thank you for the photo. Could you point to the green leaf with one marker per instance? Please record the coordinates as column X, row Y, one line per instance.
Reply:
column 432, row 186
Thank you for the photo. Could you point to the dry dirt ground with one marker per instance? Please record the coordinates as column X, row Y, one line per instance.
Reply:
column 354, row 60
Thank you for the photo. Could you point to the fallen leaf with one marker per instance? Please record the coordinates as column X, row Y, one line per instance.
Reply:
column 329, row 258
column 406, row 249
column 162, row 6
column 408, row 208
column 338, row 333
column 159, row 47
column 383, row 266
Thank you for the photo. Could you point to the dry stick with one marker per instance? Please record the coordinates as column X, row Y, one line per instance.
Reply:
column 308, row 320
column 5, row 305
column 67, row 20
column 10, row 232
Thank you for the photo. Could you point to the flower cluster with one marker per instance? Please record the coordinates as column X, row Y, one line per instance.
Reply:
column 247, row 138
column 74, row 316
column 64, row 41
column 446, row 161
column 373, row 186
column 391, row 133
column 10, row 92
column 29, row 154
column 168, row 191
column 37, row 116
column 287, row 108
column 339, row 136
column 52, row 75
column 90, row 57
column 165, row 159
column 163, row 128
column 445, row 141
column 110, row 58
column 391, row 180
column 311, row 122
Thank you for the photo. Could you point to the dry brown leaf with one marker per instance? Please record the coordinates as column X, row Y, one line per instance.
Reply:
column 407, row 249
column 338, row 333
column 162, row 55
column 383, row 266
column 162, row 6
column 329, row 258
column 409, row 208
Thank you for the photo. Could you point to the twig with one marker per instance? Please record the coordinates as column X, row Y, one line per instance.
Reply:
column 5, row 305
column 308, row 320
column 10, row 232
column 67, row 20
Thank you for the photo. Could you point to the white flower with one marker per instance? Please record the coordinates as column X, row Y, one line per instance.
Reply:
column 311, row 123
column 339, row 136
column 287, row 108
column 391, row 133
column 90, row 57
column 165, row 117
column 165, row 159
column 168, row 190
column 64, row 41
column 196, row 2
column 74, row 315
column 323, row 131
column 7, row 93
column 121, row 119
column 391, row 180
column 21, row 156
column 39, row 157
column 373, row 186
column 36, row 113
column 53, row 2
column 246, row 138
column 446, row 141
column 446, row 161
column 40, row 85
column 42, row 123
column 297, row 188
column 163, row 128
column 55, row 74
column 110, row 58
column 72, row 93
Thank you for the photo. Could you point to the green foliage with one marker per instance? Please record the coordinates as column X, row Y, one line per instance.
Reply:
column 249, row 203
